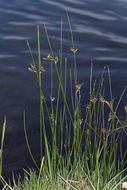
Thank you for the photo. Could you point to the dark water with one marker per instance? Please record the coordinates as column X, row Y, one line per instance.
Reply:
column 100, row 33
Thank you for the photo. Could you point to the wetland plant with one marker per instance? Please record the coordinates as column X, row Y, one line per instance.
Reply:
column 90, row 140
column 85, row 151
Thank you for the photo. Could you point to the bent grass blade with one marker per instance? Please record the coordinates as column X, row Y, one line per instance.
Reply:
column 2, row 143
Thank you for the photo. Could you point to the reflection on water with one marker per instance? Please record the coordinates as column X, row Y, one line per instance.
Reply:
column 100, row 34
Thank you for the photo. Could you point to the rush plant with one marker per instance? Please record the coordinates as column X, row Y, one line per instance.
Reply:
column 92, row 138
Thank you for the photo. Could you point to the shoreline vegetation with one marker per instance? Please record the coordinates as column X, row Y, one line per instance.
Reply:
column 85, row 151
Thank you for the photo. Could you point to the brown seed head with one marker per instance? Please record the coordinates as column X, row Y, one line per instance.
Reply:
column 78, row 87
column 74, row 50
column 53, row 99
column 42, row 70
column 32, row 68
column 56, row 60
column 79, row 121
column 102, row 99
column 51, row 116
column 105, row 101
column 48, row 58
column 87, row 107
column 110, row 116
column 111, row 103
column 94, row 100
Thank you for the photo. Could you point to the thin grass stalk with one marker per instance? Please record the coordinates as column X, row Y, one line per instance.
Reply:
column 105, row 155
column 89, row 133
column 72, row 39
column 96, row 180
column 58, row 96
column 68, row 158
column 48, row 40
column 99, row 115
column 2, row 143
column 46, row 145
column 61, row 65
column 91, row 72
column 99, row 93
column 121, row 154
column 89, row 143
column 110, row 84
column 40, row 171
column 68, row 145
column 64, row 117
column 61, row 48
column 113, row 139
column 53, row 121
column 57, row 105
column 102, row 131
column 79, row 125
column 75, row 138
column 120, row 98
column 104, row 140
column 27, row 142
column 33, row 60
column 39, row 74
column 51, row 96
column 75, row 66
column 93, row 100
column 92, row 124
column 86, row 156
column 55, row 132
column 96, row 130
column 82, row 134
column 60, row 136
column 72, row 98
column 113, row 136
column 77, row 132
column 100, row 85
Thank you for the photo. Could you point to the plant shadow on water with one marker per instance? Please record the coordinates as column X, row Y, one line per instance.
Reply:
column 71, row 134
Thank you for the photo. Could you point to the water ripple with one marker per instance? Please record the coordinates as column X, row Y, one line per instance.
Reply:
column 99, row 30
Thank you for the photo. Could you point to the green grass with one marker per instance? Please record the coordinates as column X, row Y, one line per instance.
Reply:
column 2, row 143
column 75, row 178
column 84, row 148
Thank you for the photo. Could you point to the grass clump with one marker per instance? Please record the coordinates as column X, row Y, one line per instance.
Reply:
column 83, row 152
column 73, row 179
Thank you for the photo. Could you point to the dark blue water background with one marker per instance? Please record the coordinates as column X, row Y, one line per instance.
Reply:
column 100, row 33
